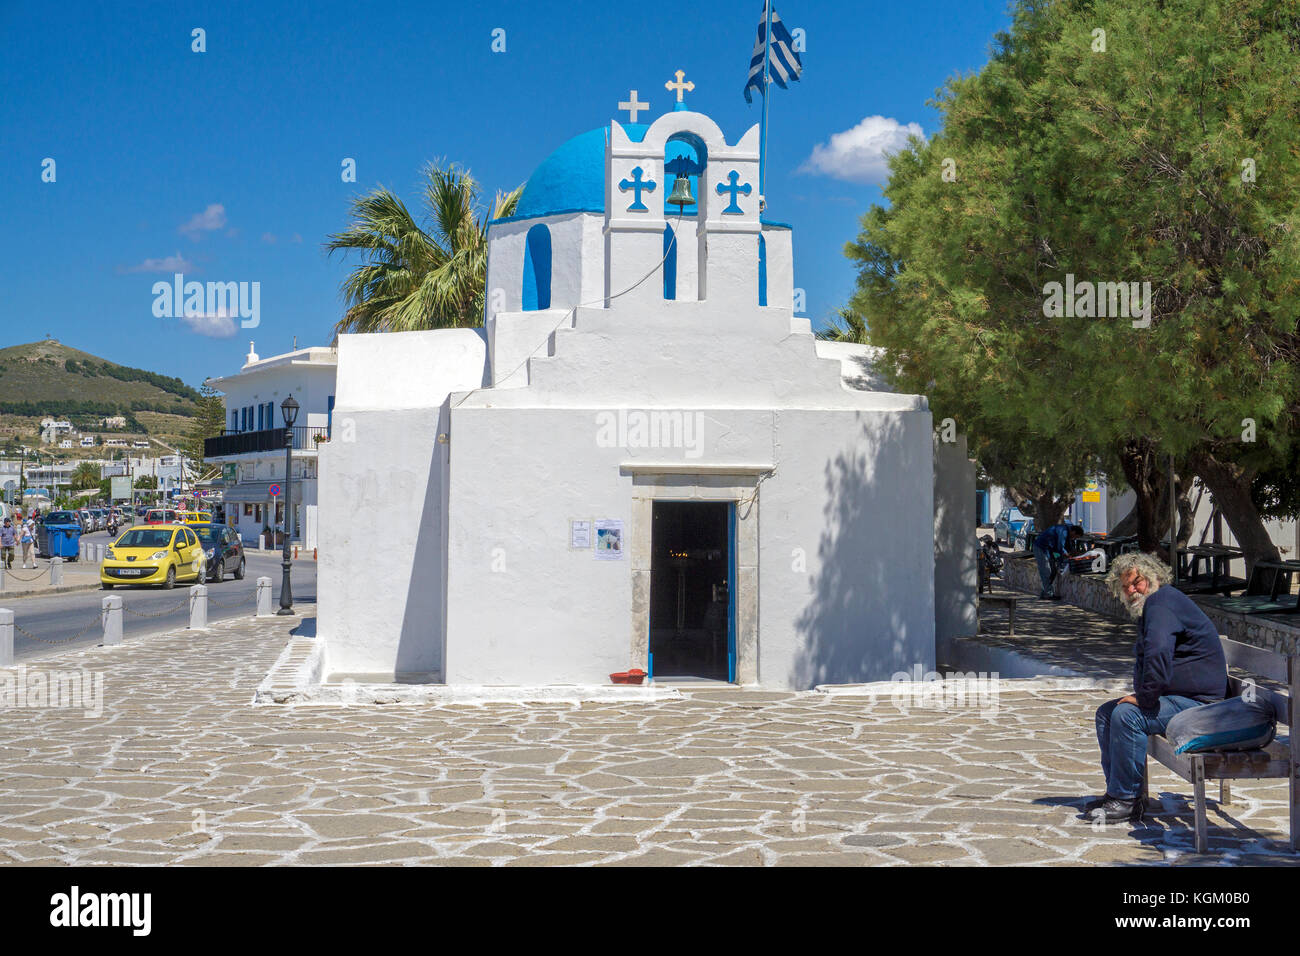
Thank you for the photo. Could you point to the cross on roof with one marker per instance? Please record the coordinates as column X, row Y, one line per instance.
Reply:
column 679, row 86
column 633, row 106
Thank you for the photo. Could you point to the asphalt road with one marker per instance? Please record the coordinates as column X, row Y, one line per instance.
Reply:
column 146, row 610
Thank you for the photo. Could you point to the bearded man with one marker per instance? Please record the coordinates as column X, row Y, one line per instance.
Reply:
column 1179, row 664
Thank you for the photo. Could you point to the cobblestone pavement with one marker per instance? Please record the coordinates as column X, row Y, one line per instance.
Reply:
column 180, row 768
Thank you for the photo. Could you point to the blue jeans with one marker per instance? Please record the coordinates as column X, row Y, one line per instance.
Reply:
column 1046, row 566
column 1122, row 735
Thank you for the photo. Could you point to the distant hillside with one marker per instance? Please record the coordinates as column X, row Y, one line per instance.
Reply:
column 46, row 378
column 48, row 373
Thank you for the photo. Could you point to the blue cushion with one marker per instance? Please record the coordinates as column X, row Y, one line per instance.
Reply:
column 1232, row 724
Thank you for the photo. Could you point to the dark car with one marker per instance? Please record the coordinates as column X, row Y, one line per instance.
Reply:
column 224, row 550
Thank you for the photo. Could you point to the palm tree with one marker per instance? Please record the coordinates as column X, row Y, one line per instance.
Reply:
column 85, row 475
column 847, row 326
column 416, row 277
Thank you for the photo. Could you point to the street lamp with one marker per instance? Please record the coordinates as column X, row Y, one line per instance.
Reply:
column 289, row 409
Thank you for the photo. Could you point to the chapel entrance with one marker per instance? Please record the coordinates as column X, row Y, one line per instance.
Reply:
column 691, row 573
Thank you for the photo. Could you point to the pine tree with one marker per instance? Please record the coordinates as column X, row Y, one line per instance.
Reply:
column 209, row 421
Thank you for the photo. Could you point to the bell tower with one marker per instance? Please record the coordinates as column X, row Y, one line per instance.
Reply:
column 646, row 202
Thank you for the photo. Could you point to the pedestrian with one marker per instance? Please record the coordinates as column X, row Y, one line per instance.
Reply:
column 28, row 538
column 1050, row 549
column 8, row 539
column 1179, row 663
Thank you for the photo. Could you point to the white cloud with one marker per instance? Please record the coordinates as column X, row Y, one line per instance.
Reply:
column 858, row 154
column 268, row 238
column 172, row 263
column 212, row 218
column 215, row 325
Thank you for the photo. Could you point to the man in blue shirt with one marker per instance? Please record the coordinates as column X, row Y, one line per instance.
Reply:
column 1179, row 664
column 1050, row 548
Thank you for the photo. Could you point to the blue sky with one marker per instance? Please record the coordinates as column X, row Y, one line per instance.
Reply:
column 228, row 161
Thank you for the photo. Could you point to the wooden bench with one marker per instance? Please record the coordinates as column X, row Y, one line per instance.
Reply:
column 1277, row 761
column 1007, row 601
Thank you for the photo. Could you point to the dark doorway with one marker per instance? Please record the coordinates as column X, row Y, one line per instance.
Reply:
column 690, row 597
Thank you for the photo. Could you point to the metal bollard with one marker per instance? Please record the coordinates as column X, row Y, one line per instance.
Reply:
column 6, row 637
column 56, row 572
column 2, row 577
column 198, row 607
column 112, row 606
column 263, row 597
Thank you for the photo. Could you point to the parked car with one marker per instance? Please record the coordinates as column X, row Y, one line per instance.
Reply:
column 159, row 554
column 101, row 517
column 161, row 516
column 1010, row 527
column 224, row 551
column 86, row 519
column 195, row 517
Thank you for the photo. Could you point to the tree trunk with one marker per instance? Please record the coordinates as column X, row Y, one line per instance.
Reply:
column 1229, row 483
column 1138, row 460
column 1049, row 510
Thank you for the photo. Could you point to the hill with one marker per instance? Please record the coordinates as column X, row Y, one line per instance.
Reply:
column 48, row 378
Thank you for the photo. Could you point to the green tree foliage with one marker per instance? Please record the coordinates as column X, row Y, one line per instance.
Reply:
column 85, row 475
column 209, row 422
column 167, row 383
column 1161, row 151
column 413, row 276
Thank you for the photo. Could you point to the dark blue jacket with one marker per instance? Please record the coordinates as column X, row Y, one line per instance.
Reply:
column 1054, row 538
column 1178, row 652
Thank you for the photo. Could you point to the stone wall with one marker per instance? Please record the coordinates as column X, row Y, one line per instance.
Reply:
column 1089, row 592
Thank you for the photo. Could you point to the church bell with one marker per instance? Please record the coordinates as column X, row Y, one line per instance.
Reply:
column 681, row 194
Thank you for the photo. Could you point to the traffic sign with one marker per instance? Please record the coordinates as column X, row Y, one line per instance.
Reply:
column 275, row 491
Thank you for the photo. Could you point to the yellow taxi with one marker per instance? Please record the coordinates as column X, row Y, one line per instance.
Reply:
column 159, row 554
column 196, row 517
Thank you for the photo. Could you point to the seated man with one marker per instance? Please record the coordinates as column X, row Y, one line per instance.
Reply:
column 1179, row 664
column 1050, row 548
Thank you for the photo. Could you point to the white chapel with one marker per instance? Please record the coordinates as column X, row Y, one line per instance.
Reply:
column 644, row 459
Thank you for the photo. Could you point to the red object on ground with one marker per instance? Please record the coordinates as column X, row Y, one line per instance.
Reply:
column 620, row 678
column 635, row 675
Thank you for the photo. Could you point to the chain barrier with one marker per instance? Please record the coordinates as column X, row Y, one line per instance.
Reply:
column 97, row 622
column 163, row 613
column 226, row 605
column 9, row 573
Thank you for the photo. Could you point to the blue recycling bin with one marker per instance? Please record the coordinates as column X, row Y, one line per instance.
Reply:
column 64, row 541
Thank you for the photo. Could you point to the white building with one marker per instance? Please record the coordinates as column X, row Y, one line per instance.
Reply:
column 251, row 451
column 644, row 453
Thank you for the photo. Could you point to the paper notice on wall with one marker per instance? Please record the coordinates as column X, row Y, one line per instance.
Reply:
column 609, row 539
column 580, row 534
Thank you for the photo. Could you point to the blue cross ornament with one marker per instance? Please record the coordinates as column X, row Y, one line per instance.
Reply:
column 732, row 188
column 637, row 184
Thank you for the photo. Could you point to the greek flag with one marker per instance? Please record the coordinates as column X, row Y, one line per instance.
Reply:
column 784, row 62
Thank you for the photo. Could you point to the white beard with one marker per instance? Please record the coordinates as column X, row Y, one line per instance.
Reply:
column 1134, row 604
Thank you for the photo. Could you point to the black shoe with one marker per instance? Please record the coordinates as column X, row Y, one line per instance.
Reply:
column 1118, row 810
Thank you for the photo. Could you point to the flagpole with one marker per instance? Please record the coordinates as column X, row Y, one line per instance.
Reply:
column 767, row 61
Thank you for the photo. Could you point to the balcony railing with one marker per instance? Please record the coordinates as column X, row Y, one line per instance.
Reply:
column 269, row 439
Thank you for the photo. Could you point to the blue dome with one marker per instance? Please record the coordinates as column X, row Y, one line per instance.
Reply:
column 571, row 179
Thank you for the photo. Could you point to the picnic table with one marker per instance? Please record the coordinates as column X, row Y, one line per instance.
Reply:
column 1114, row 546
column 1216, row 578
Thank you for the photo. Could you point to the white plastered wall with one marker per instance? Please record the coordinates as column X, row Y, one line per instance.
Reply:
column 383, row 500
